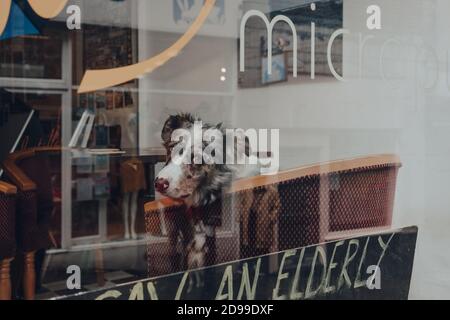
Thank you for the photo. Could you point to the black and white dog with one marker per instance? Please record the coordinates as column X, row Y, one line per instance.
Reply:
column 199, row 183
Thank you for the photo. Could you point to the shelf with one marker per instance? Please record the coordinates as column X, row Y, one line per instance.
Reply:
column 190, row 93
column 168, row 91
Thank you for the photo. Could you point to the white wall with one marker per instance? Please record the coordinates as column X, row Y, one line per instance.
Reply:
column 325, row 119
column 369, row 114
column 191, row 81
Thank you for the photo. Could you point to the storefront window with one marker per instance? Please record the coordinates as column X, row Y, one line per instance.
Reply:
column 195, row 141
column 31, row 57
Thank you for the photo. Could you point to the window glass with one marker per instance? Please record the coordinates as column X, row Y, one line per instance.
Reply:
column 33, row 56
column 339, row 110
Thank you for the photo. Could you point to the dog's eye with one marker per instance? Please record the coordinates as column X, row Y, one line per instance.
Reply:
column 189, row 176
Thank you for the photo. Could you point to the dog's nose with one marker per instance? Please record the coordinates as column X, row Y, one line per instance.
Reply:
column 161, row 185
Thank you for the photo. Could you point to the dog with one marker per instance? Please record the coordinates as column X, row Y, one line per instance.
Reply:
column 200, row 183
column 196, row 252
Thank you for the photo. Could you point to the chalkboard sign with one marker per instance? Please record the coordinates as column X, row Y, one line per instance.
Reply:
column 375, row 266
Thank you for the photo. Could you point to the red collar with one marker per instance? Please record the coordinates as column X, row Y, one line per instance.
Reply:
column 194, row 212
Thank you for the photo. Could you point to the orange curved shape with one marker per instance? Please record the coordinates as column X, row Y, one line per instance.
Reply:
column 47, row 8
column 100, row 79
column 5, row 7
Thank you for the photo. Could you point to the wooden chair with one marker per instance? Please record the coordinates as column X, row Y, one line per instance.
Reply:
column 318, row 203
column 29, row 170
column 7, row 236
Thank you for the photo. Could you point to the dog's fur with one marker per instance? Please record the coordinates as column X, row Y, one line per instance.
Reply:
column 198, row 185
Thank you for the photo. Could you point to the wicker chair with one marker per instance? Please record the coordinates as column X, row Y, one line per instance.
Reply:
column 29, row 170
column 317, row 203
column 7, row 236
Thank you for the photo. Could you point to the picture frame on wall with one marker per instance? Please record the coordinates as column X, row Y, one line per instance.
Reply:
column 186, row 11
column 330, row 15
column 279, row 69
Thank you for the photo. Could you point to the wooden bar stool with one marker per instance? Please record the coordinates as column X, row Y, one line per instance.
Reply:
column 30, row 171
column 7, row 236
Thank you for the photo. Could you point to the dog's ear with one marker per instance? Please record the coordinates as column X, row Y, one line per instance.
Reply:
column 171, row 124
column 182, row 120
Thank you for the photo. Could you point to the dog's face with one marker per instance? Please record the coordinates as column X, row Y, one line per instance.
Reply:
column 182, row 178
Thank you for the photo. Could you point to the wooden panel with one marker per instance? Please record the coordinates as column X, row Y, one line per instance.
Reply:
column 316, row 169
column 322, row 168
column 13, row 171
column 7, row 188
